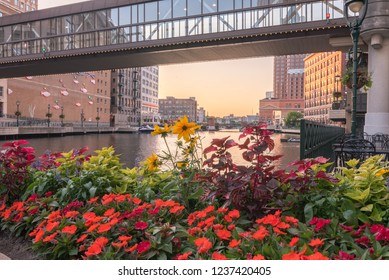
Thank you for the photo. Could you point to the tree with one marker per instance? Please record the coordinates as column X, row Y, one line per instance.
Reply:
column 293, row 119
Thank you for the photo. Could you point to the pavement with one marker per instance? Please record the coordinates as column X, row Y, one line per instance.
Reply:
column 3, row 257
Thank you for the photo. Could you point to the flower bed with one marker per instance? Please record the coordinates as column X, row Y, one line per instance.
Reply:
column 189, row 204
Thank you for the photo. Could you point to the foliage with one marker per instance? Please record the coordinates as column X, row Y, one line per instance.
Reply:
column 365, row 187
column 15, row 162
column 293, row 119
column 363, row 78
column 251, row 187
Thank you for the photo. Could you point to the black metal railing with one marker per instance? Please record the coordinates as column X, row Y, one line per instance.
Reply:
column 316, row 139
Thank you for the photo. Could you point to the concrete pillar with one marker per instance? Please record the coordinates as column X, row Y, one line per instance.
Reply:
column 375, row 32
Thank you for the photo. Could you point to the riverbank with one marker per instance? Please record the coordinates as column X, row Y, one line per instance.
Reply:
column 13, row 133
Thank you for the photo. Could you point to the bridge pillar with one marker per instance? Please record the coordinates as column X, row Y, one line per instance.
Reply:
column 375, row 32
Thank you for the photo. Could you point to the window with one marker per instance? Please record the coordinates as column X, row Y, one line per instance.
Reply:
column 1, row 91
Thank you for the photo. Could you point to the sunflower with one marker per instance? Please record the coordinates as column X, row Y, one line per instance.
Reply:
column 163, row 131
column 152, row 162
column 184, row 128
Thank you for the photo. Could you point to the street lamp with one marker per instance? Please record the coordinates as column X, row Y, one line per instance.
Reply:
column 17, row 113
column 360, row 7
column 98, row 117
column 48, row 115
column 62, row 116
column 82, row 117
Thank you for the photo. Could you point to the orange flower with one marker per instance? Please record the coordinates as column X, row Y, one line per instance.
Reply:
column 119, row 245
column 113, row 222
column 291, row 256
column 184, row 256
column 132, row 249
column 136, row 200
column 217, row 227
column 92, row 227
column 227, row 218
column 104, row 228
column 223, row 234
column 89, row 216
column 209, row 209
column 121, row 197
column 193, row 231
column 222, row 210
column 101, row 241
column 291, row 220
column 50, row 237
column 93, row 200
column 234, row 243
column 109, row 212
column 217, row 256
column 2, row 207
column 82, row 238
column 210, row 220
column 124, row 238
column 203, row 244
column 283, row 225
column 258, row 257
column 201, row 214
column 261, row 233
column 71, row 214
column 6, row 214
column 277, row 230
column 54, row 216
column 51, row 225
column 39, row 235
column 231, row 227
column 316, row 242
column 315, row 256
column 234, row 214
column 293, row 241
column 191, row 218
column 69, row 229
column 93, row 250
column 176, row 209
column 269, row 220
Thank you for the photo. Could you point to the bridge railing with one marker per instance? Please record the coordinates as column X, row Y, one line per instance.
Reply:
column 316, row 139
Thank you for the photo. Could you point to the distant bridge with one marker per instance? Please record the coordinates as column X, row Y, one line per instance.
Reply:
column 100, row 35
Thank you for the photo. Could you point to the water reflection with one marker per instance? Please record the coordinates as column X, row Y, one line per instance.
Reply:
column 134, row 148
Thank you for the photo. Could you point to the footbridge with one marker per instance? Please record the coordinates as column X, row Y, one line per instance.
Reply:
column 101, row 35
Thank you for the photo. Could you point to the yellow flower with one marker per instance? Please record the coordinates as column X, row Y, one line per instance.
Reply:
column 382, row 172
column 164, row 131
column 152, row 162
column 184, row 128
column 182, row 164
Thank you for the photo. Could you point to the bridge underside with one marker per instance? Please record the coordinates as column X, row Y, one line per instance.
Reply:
column 170, row 51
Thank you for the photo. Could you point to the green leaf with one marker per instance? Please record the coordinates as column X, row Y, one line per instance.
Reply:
column 367, row 208
column 73, row 252
column 167, row 247
column 92, row 191
column 308, row 212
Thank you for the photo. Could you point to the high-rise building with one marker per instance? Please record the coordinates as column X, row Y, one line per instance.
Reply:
column 134, row 98
column 77, row 95
column 171, row 108
column 201, row 115
column 322, row 79
column 288, row 89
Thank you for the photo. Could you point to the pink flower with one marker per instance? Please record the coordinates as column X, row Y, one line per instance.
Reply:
column 141, row 225
column 143, row 246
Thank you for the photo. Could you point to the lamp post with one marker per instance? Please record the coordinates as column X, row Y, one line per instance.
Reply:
column 360, row 7
column 62, row 116
column 98, row 117
column 82, row 117
column 48, row 115
column 17, row 113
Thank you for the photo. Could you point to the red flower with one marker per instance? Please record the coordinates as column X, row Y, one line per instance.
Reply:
column 258, row 257
column 315, row 256
column 104, row 228
column 344, row 256
column 203, row 244
column 51, row 225
column 261, row 233
column 231, row 227
column 316, row 242
column 39, row 235
column 109, row 212
column 234, row 214
column 293, row 241
column 143, row 246
column 136, row 200
column 291, row 220
column 223, row 234
column 71, row 214
column 82, row 238
column 92, row 227
column 124, row 238
column 291, row 256
column 141, row 225
column 177, row 209
column 93, row 250
column 234, row 243
column 277, row 230
column 222, row 210
column 132, row 249
column 69, row 229
column 217, row 256
column 119, row 245
column 101, row 241
column 184, row 256
column 93, row 200
column 50, row 237
column 364, row 240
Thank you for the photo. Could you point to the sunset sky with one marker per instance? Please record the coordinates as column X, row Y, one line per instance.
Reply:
column 222, row 87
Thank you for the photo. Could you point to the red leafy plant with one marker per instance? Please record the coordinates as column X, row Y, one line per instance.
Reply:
column 15, row 161
column 250, row 187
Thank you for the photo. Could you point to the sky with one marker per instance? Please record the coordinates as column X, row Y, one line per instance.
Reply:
column 221, row 88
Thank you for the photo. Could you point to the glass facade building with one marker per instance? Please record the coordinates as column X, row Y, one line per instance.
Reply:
column 157, row 20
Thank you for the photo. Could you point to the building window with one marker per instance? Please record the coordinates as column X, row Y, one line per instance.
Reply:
column 1, row 91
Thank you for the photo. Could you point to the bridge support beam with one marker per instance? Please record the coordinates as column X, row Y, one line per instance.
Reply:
column 375, row 32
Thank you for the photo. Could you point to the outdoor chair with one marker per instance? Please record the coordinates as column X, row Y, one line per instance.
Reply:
column 378, row 140
column 356, row 149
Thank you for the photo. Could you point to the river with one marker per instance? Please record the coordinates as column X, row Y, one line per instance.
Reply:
column 136, row 147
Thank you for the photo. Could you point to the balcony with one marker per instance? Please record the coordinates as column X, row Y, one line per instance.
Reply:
column 338, row 111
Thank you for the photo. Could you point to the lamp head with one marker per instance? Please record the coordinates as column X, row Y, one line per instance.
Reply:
column 355, row 6
column 18, row 103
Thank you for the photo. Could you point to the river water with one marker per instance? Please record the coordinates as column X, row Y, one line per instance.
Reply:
column 136, row 147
